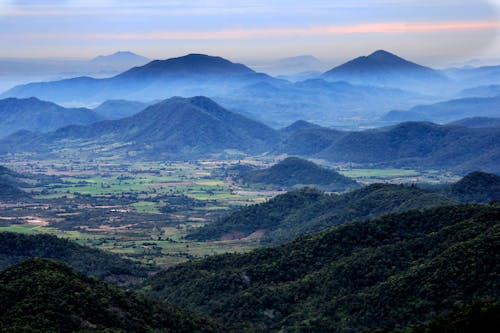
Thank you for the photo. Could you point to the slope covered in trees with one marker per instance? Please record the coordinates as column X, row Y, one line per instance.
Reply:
column 305, row 211
column 392, row 272
column 15, row 248
column 294, row 171
column 41, row 295
column 475, row 187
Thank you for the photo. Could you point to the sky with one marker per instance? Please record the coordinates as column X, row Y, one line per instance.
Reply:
column 432, row 32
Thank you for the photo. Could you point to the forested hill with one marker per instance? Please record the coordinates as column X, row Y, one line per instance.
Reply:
column 15, row 247
column 304, row 211
column 41, row 295
column 475, row 187
column 294, row 171
column 392, row 272
column 307, row 210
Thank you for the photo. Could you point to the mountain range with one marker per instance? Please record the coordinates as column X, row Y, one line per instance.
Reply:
column 172, row 129
column 415, row 144
column 198, row 127
column 274, row 101
column 193, row 74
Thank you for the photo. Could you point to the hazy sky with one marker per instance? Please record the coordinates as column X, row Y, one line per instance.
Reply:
column 434, row 32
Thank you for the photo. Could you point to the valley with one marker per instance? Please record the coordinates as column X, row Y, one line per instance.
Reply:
column 144, row 210
column 249, row 167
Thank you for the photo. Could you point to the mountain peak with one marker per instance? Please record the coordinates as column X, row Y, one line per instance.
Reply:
column 382, row 53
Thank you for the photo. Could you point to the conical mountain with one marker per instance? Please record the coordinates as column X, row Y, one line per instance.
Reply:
column 386, row 69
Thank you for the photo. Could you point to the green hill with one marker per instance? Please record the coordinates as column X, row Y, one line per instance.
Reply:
column 41, row 295
column 396, row 271
column 475, row 187
column 294, row 171
column 15, row 248
column 305, row 211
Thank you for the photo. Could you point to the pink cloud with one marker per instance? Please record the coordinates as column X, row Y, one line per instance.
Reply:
column 392, row 27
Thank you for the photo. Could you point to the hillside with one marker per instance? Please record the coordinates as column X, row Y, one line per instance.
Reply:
column 41, row 295
column 301, row 212
column 174, row 128
column 385, row 69
column 395, row 271
column 420, row 144
column 15, row 248
column 445, row 112
column 39, row 116
column 410, row 144
column 294, row 171
column 475, row 187
column 189, row 75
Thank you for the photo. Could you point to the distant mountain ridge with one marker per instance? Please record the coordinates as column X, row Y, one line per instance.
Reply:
column 40, row 116
column 415, row 144
column 193, row 74
column 449, row 111
column 174, row 128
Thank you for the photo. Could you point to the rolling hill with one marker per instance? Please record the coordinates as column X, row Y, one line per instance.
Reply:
column 294, row 171
column 393, row 272
column 305, row 211
column 174, row 128
column 39, row 116
column 385, row 69
column 40, row 295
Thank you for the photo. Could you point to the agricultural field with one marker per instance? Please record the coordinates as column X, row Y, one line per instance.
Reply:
column 144, row 210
